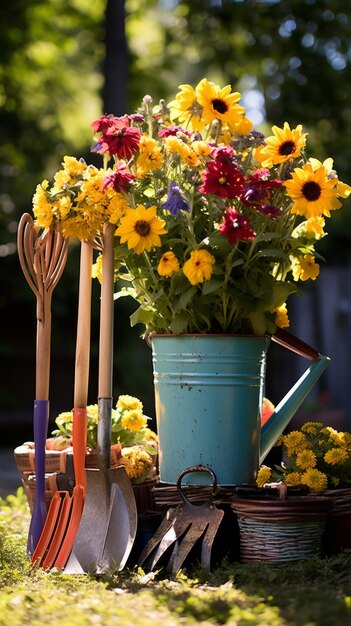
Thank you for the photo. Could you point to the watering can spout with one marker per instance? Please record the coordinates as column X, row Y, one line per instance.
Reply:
column 285, row 410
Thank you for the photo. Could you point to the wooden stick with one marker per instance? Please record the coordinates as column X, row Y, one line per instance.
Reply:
column 81, row 378
column 106, row 315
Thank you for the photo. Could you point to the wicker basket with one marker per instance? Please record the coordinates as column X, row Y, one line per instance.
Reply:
column 279, row 530
column 337, row 535
column 59, row 464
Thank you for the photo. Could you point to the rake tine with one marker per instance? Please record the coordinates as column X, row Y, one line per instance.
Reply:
column 164, row 527
column 185, row 545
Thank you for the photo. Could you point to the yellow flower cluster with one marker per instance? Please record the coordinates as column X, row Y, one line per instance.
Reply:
column 315, row 456
column 138, row 463
column 128, row 429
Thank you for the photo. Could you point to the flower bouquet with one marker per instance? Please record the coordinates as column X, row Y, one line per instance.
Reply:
column 316, row 456
column 133, row 444
column 216, row 224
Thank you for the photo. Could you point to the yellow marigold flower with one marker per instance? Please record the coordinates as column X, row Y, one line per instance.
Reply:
column 306, row 459
column 244, row 126
column 140, row 228
column 137, row 462
column 281, row 316
column 84, row 225
column 263, row 476
column 92, row 413
column 201, row 148
column 150, row 157
column 96, row 270
column 42, row 208
column 150, row 435
column 62, row 207
column 336, row 456
column 219, row 103
column 295, row 442
column 283, row 145
column 293, row 479
column 315, row 480
column 315, row 226
column 311, row 428
column 304, row 268
column 312, row 191
column 168, row 264
column 198, row 268
column 175, row 145
column 133, row 419
column 73, row 166
column 129, row 402
column 189, row 156
column 117, row 208
column 65, row 417
column 186, row 108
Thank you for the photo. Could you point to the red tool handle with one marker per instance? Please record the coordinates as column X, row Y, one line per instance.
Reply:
column 289, row 341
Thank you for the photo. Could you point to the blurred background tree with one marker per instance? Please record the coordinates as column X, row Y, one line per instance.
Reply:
column 62, row 64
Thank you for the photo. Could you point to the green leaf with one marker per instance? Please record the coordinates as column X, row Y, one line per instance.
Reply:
column 212, row 285
column 185, row 298
column 142, row 315
column 273, row 253
column 180, row 323
column 124, row 292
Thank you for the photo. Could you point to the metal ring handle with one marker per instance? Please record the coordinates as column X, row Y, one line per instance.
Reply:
column 190, row 470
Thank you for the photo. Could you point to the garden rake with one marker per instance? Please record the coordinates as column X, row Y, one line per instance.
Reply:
column 182, row 528
column 43, row 259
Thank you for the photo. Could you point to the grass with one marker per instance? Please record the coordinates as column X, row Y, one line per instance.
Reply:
column 316, row 592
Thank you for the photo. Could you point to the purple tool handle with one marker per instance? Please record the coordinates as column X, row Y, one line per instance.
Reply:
column 40, row 424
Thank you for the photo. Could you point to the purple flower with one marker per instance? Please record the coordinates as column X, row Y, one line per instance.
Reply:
column 175, row 201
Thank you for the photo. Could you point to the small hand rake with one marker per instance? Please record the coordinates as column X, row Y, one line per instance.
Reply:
column 42, row 260
column 64, row 515
column 183, row 527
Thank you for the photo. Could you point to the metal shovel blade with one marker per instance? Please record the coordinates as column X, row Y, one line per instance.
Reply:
column 108, row 525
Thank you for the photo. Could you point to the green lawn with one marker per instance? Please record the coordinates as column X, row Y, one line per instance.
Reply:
column 309, row 593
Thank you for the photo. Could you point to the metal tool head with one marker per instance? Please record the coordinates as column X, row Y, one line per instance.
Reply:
column 108, row 524
column 183, row 527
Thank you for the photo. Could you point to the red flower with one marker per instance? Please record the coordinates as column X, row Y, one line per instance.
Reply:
column 222, row 179
column 172, row 131
column 118, row 137
column 102, row 123
column 236, row 227
column 226, row 153
column 119, row 180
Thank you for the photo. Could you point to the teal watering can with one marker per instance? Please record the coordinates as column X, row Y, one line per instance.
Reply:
column 209, row 391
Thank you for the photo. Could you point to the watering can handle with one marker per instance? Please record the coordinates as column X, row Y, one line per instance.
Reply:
column 289, row 341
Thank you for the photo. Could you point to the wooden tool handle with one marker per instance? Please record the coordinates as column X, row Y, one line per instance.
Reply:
column 106, row 315
column 81, row 378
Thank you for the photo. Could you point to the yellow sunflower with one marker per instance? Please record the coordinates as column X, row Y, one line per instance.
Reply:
column 285, row 143
column 140, row 228
column 312, row 191
column 219, row 103
column 186, row 108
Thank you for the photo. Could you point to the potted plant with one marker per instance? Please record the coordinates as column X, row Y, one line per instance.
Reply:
column 216, row 225
column 133, row 445
column 318, row 457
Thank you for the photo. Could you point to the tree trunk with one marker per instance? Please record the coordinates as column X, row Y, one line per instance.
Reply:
column 115, row 70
